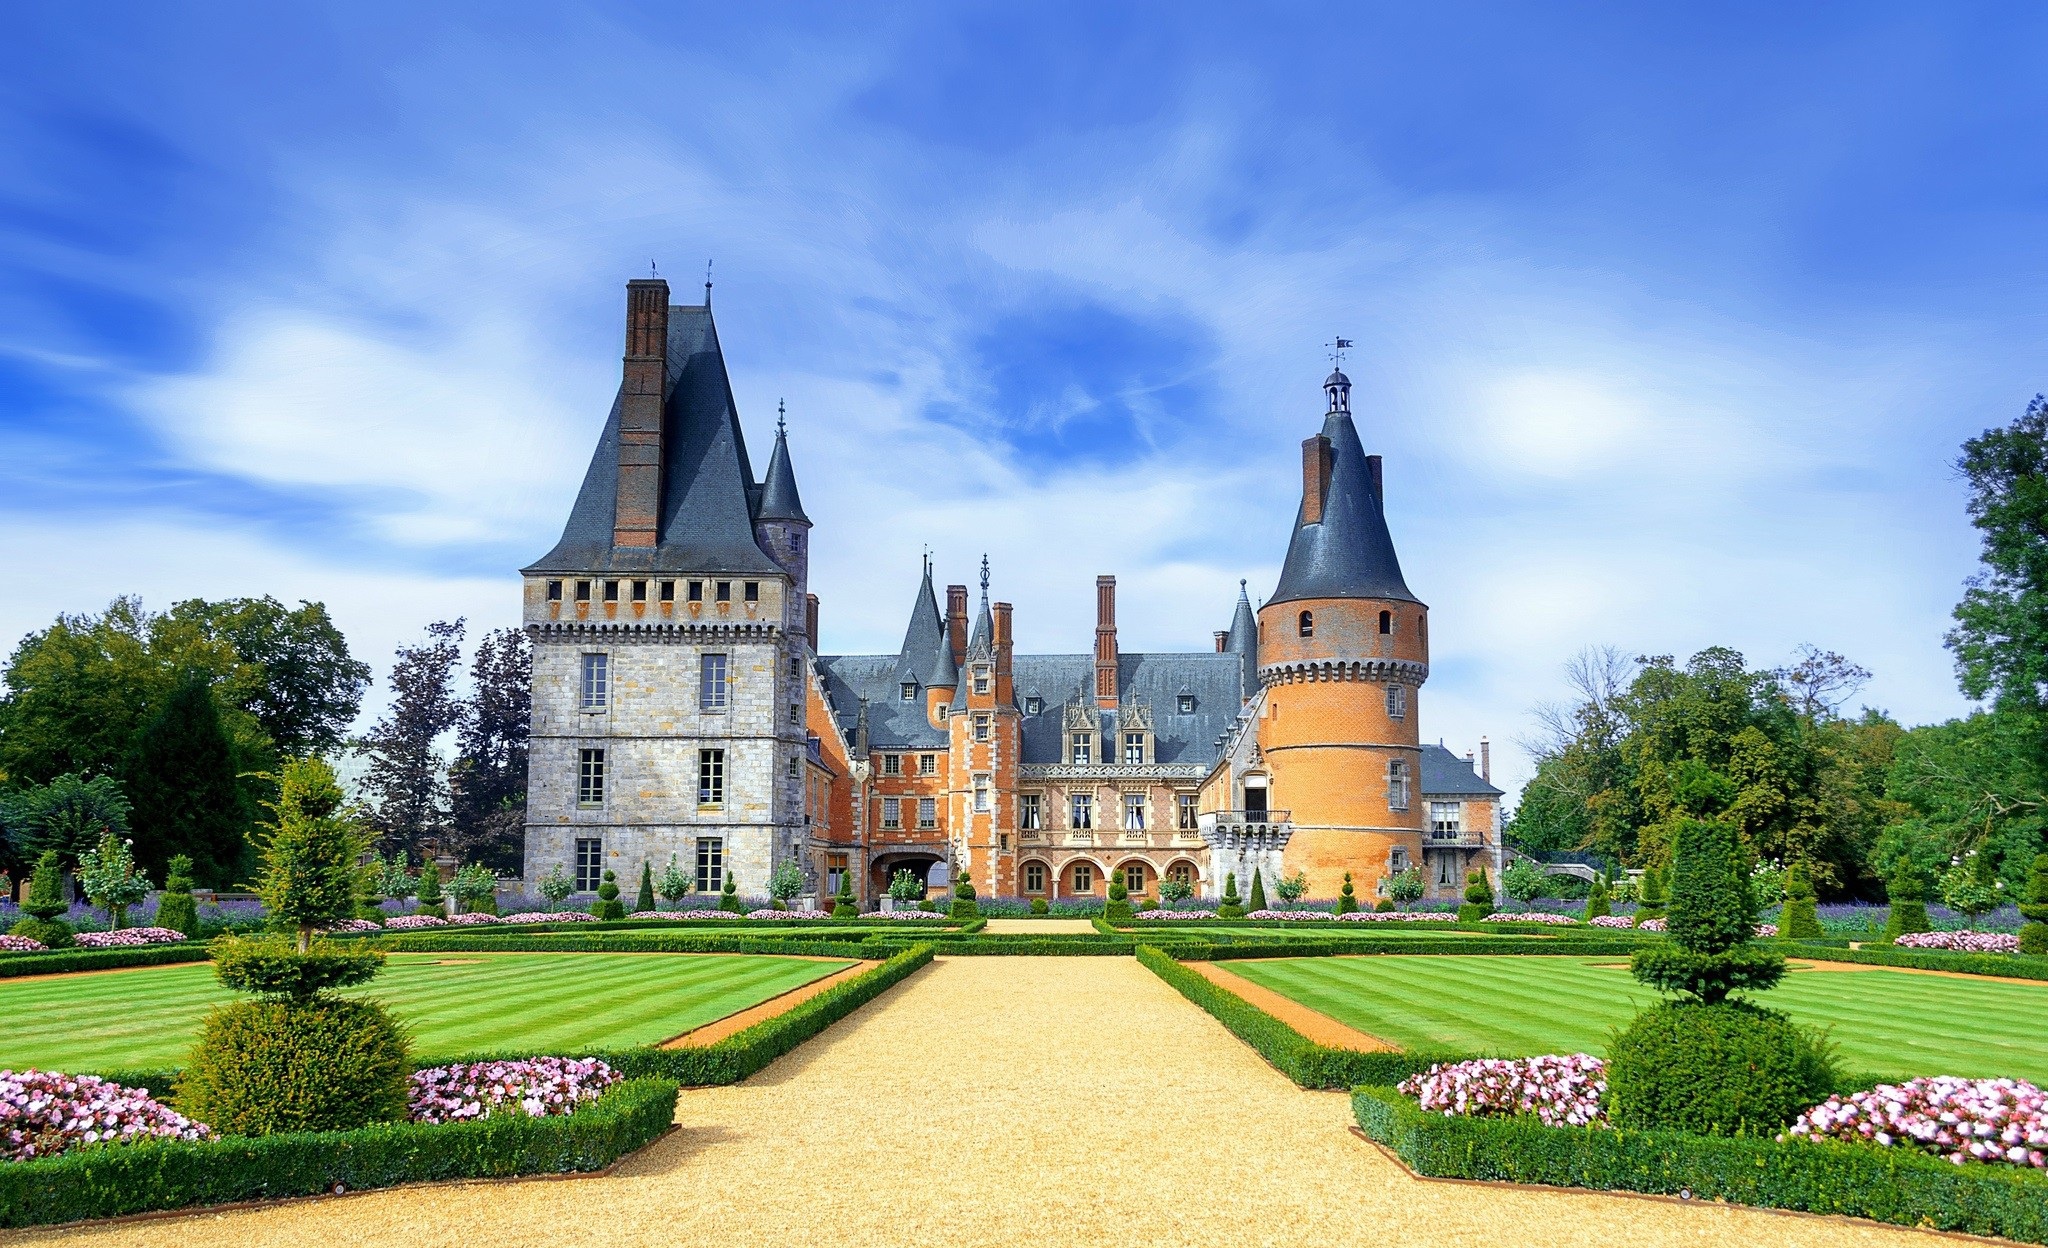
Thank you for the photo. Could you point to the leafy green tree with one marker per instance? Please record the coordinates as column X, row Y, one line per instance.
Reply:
column 108, row 875
column 2001, row 635
column 1404, row 888
column 302, row 686
column 474, row 887
column 406, row 776
column 1522, row 881
column 555, row 887
column 1175, row 891
column 487, row 784
column 78, row 692
column 1969, row 785
column 1970, row 887
column 2034, row 933
column 310, row 851
column 181, row 775
column 67, row 816
column 176, row 908
column 675, row 882
column 786, row 882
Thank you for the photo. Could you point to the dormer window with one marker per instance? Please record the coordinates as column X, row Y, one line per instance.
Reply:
column 1034, row 706
column 1308, row 624
column 1187, row 704
column 1134, row 748
column 910, row 691
column 1081, row 749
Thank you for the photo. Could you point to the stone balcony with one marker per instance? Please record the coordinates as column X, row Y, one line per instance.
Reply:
column 1463, row 839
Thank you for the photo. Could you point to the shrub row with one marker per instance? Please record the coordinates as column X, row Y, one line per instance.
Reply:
column 61, row 961
column 1885, row 1184
column 2014, row 965
column 1328, row 946
column 1309, row 1064
column 435, row 941
column 110, row 1182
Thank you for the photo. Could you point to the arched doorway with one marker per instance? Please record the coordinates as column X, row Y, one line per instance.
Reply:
column 884, row 867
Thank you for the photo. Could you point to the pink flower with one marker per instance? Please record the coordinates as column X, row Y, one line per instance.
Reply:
column 21, row 944
column 43, row 1113
column 1961, row 942
column 1559, row 1091
column 1532, row 916
column 1951, row 1117
column 129, row 938
column 537, row 1087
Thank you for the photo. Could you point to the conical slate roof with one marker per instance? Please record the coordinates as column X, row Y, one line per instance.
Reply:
column 1243, row 639
column 779, row 499
column 706, row 523
column 927, row 655
column 1349, row 554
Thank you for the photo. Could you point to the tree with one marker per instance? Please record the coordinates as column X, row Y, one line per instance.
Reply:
column 1800, row 919
column 474, row 887
column 729, row 896
column 1970, row 888
column 675, row 882
column 1257, row 901
column 1597, row 904
column 1406, row 887
column 432, row 902
column 181, row 775
column 2034, row 933
column 1522, row 881
column 1712, row 921
column 1230, row 909
column 45, row 905
column 107, row 874
column 2000, row 639
column 304, row 688
column 1967, row 785
column 786, row 882
column 1908, row 891
column 176, row 909
column 310, row 851
column 77, row 692
column 555, row 886
column 405, row 773
column 67, row 816
column 488, row 779
column 1651, row 903
column 1292, row 888
column 608, row 906
column 843, row 904
column 1347, row 897
column 644, row 902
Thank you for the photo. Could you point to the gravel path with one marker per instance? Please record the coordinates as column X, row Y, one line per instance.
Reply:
column 1001, row 1101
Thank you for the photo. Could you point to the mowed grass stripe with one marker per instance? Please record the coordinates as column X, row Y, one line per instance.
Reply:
column 1883, row 1021
column 530, row 1002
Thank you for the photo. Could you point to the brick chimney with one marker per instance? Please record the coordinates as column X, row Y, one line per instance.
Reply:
column 1105, row 642
column 1004, row 645
column 638, row 509
column 956, row 622
column 1315, row 477
column 1486, row 760
column 1222, row 641
column 811, row 620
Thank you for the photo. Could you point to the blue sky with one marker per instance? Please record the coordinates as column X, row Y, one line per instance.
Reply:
column 1669, row 318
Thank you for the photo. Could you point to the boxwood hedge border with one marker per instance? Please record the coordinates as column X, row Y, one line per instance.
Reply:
column 1883, row 1184
column 117, row 1181
column 65, row 961
column 2009, row 965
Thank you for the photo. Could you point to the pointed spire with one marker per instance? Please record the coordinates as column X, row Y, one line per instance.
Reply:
column 1341, row 547
column 779, row 499
column 1243, row 640
column 982, row 644
column 927, row 657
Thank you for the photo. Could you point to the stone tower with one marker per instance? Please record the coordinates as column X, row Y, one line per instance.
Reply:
column 1343, row 649
column 670, row 633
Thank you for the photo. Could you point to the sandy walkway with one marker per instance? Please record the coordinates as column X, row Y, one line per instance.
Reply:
column 1040, row 927
column 1002, row 1101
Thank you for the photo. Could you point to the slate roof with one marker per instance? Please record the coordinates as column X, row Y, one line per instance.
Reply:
column 779, row 499
column 927, row 654
column 1444, row 774
column 1349, row 553
column 1243, row 639
column 708, row 490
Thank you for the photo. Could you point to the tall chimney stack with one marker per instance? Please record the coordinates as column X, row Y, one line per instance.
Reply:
column 1486, row 760
column 811, row 621
column 1105, row 642
column 1222, row 641
column 636, row 516
column 1004, row 645
column 956, row 622
column 1315, row 477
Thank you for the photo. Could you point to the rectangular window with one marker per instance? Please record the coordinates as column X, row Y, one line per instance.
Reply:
column 639, row 591
column 927, row 764
column 583, row 591
column 1134, row 747
column 1134, row 877
column 611, row 591
column 981, row 794
column 892, row 812
column 1081, row 749
column 1397, row 702
column 981, row 680
column 927, row 812
column 696, row 591
column 590, row 777
column 597, row 681
column 725, row 591
column 589, row 864
column 1444, row 870
column 1397, row 785
column 792, row 769
column 1185, row 804
column 910, row 691
column 710, row 777
column 1034, row 877
column 1444, row 821
column 1181, row 873
column 554, row 591
column 1081, row 811
column 892, row 764
column 1084, row 877
column 1134, row 812
column 712, row 689
column 1187, row 704
column 710, row 864
column 668, row 591
column 1028, row 816
column 1034, row 706
column 835, row 871
column 752, row 590
column 981, row 727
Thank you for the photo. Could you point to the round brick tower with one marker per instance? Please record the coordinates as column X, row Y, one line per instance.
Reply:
column 1343, row 650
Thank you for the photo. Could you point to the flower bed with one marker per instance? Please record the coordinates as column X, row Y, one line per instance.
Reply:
column 1612, row 920
column 1961, row 942
column 789, row 914
column 1559, row 1091
column 43, row 1113
column 2002, row 1121
column 1766, row 929
column 537, row 1087
column 473, row 918
column 406, row 922
column 552, row 916
column 1396, row 916
column 1650, row 925
column 1532, row 916
column 1291, row 916
column 21, row 944
column 129, row 938
column 352, row 925
column 899, row 915
column 1176, row 914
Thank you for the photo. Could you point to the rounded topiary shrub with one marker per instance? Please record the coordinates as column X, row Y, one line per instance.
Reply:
column 1726, row 1069
column 1038, row 906
column 176, row 909
column 325, row 1064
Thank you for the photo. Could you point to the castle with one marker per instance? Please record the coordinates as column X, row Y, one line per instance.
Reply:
column 682, row 708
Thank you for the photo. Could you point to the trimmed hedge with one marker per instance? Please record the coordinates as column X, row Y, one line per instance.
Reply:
column 624, row 942
column 2012, row 965
column 62, row 961
column 1311, row 946
column 137, row 1178
column 1884, row 1184
column 1309, row 1064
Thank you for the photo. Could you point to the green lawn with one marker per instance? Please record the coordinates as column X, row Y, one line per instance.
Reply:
column 1885, row 1022
column 537, row 1002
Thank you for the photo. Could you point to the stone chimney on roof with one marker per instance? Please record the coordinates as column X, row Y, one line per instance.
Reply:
column 637, row 513
column 1105, row 643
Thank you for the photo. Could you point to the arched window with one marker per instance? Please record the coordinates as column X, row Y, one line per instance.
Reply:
column 1386, row 622
column 1308, row 623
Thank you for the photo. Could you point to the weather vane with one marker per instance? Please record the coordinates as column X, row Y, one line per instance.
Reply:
column 779, row 412
column 1337, row 350
column 652, row 270
column 984, row 576
column 707, row 283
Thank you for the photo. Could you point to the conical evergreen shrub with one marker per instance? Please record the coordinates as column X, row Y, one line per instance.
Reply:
column 176, row 909
column 645, row 901
column 1650, row 896
column 1258, row 897
column 1598, row 905
column 429, row 896
column 1231, row 908
column 1800, row 918
column 843, row 904
column 2034, row 909
column 1347, row 900
column 1907, row 890
column 44, row 903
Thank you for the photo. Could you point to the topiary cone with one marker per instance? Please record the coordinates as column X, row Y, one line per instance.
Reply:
column 1908, row 894
column 645, row 901
column 729, row 896
column 1800, row 918
column 1258, row 897
column 2034, row 909
column 176, row 909
column 843, row 904
column 1597, row 905
column 429, row 896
